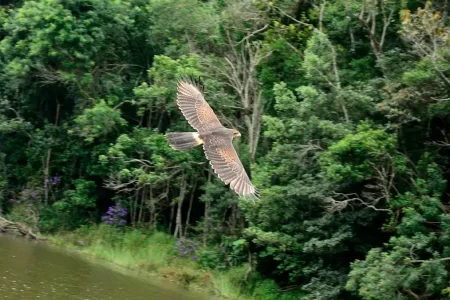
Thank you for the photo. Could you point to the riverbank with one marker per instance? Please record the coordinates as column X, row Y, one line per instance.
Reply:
column 38, row 270
column 15, row 228
column 156, row 254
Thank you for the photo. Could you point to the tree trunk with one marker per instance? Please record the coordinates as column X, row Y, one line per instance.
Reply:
column 171, row 219
column 46, row 174
column 206, row 215
column 352, row 35
column 5, row 186
column 445, row 10
column 375, row 8
column 250, row 263
column 188, row 217
column 179, row 224
column 338, row 84
column 233, row 218
column 141, row 206
column 151, row 208
column 47, row 161
column 172, row 213
column 134, row 208
column 149, row 119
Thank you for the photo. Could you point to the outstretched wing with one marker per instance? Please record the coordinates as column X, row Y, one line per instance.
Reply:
column 223, row 158
column 194, row 107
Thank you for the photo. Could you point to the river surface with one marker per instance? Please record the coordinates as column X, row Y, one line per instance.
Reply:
column 33, row 270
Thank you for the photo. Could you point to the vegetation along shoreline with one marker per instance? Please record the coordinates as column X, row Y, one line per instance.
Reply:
column 254, row 149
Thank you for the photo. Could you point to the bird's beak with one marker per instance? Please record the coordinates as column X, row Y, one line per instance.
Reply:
column 239, row 134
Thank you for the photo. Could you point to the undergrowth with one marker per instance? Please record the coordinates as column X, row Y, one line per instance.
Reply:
column 157, row 253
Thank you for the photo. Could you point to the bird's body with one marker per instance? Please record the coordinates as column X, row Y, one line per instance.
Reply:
column 216, row 139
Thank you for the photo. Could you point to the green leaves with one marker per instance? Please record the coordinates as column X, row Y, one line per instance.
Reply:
column 82, row 196
column 398, row 273
column 67, row 43
column 97, row 122
column 159, row 97
column 178, row 24
column 74, row 209
column 319, row 59
column 411, row 262
column 352, row 161
column 353, row 158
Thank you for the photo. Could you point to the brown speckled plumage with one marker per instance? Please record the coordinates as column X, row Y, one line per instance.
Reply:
column 216, row 139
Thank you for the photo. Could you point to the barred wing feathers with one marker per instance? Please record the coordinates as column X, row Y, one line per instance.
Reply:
column 225, row 161
column 195, row 108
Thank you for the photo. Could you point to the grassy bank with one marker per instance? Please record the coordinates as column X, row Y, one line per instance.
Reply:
column 156, row 253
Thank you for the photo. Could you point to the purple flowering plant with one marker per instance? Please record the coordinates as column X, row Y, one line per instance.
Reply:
column 29, row 196
column 186, row 247
column 116, row 215
column 51, row 181
column 33, row 196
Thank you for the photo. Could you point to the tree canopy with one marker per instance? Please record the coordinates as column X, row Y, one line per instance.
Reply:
column 344, row 111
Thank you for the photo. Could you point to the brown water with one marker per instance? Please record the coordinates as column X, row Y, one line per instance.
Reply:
column 32, row 270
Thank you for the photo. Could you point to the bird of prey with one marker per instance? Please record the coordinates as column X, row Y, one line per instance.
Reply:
column 216, row 139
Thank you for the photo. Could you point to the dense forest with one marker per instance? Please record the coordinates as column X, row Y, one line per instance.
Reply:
column 344, row 111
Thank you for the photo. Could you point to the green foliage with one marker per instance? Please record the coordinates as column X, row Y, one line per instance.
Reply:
column 25, row 214
column 58, row 40
column 158, row 99
column 353, row 158
column 82, row 195
column 179, row 24
column 320, row 57
column 348, row 102
column 97, row 122
column 411, row 262
column 73, row 210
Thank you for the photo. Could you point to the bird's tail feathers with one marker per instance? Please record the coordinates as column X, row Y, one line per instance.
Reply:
column 183, row 140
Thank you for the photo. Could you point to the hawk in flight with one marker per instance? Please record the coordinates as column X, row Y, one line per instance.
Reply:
column 216, row 139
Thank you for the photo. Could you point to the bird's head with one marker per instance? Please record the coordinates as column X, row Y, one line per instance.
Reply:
column 236, row 133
